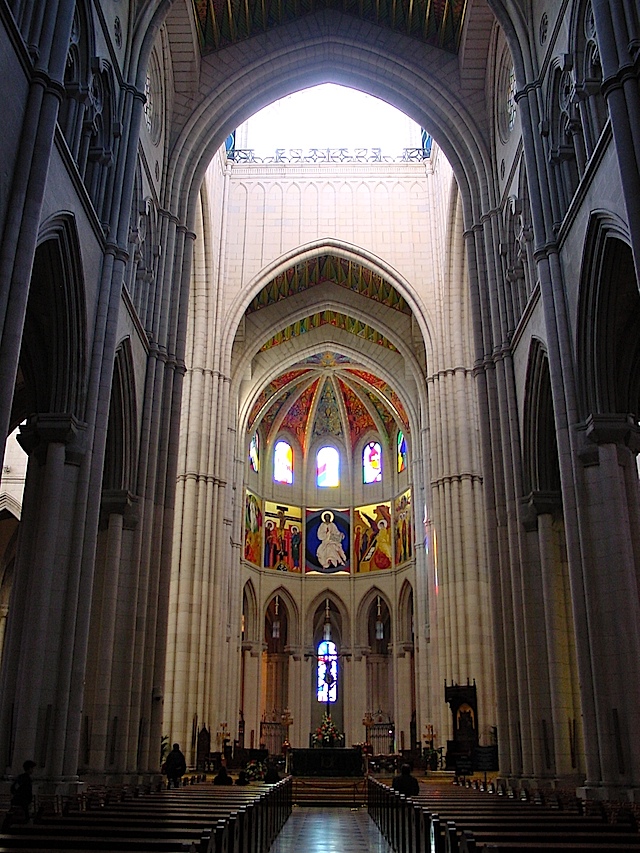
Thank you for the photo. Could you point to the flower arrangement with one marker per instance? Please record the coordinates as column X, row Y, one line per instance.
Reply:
column 326, row 731
column 255, row 770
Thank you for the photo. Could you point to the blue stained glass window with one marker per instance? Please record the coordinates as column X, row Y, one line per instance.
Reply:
column 254, row 452
column 283, row 462
column 372, row 463
column 327, row 672
column 402, row 452
column 328, row 468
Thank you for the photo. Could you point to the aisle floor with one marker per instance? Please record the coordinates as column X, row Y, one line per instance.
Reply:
column 326, row 830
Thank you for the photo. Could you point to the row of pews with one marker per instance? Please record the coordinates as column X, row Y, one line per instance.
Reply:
column 200, row 818
column 450, row 819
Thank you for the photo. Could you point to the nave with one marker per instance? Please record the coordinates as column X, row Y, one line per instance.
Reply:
column 330, row 830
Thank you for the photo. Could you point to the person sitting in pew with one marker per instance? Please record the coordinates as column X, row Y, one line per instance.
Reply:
column 242, row 778
column 272, row 775
column 405, row 783
column 222, row 777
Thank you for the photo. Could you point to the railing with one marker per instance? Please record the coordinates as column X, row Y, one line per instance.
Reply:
column 328, row 155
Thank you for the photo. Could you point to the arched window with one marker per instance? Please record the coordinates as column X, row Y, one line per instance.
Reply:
column 328, row 468
column 372, row 463
column 283, row 463
column 402, row 452
column 254, row 452
column 327, row 672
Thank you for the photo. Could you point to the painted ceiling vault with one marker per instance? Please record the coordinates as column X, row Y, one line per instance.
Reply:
column 224, row 22
column 328, row 395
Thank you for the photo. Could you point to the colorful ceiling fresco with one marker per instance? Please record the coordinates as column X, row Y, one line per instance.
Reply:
column 327, row 420
column 298, row 415
column 347, row 274
column 359, row 417
column 327, row 359
column 435, row 22
column 331, row 404
column 333, row 318
column 272, row 388
column 386, row 389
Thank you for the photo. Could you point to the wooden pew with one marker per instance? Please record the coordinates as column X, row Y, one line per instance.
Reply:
column 448, row 820
column 198, row 819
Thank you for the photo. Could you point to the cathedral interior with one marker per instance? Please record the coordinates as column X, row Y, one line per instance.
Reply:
column 344, row 430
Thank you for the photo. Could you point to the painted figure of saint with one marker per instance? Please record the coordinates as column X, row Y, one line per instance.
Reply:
column 330, row 551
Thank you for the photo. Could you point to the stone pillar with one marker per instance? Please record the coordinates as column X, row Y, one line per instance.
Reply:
column 4, row 609
column 252, row 692
column 42, row 621
column 618, row 34
column 403, row 691
column 119, row 513
column 610, row 571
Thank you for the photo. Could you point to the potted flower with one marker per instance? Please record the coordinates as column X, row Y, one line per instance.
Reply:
column 326, row 734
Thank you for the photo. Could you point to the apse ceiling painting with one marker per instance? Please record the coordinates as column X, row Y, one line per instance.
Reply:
column 328, row 398
column 328, row 393
column 435, row 22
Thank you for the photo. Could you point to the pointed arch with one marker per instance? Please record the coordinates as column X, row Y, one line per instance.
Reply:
column 120, row 455
column 608, row 345
column 250, row 613
column 293, row 612
column 405, row 617
column 339, row 617
column 362, row 614
column 53, row 356
column 541, row 468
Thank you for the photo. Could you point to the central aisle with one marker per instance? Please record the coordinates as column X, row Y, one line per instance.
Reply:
column 327, row 830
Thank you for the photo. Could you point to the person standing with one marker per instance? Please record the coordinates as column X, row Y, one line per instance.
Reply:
column 21, row 797
column 175, row 766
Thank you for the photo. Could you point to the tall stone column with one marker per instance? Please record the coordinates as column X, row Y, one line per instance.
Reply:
column 403, row 678
column 252, row 692
column 101, row 714
column 41, row 635
column 610, row 562
column 618, row 33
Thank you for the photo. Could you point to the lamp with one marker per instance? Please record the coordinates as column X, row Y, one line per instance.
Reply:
column 379, row 624
column 275, row 627
column 326, row 633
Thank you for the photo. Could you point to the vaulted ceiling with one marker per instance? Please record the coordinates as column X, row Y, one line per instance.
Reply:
column 435, row 22
column 328, row 395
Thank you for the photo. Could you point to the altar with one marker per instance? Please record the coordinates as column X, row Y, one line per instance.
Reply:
column 327, row 762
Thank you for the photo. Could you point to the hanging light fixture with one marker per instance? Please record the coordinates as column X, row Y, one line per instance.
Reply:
column 379, row 624
column 326, row 633
column 275, row 627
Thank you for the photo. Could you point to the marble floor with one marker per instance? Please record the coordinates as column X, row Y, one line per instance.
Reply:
column 326, row 830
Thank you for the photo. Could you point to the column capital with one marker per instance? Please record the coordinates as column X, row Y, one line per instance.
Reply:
column 120, row 502
column 539, row 503
column 613, row 428
column 57, row 428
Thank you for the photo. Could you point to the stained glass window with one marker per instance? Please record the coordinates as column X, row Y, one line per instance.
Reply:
column 283, row 462
column 372, row 463
column 328, row 467
column 402, row 452
column 327, row 672
column 254, row 452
